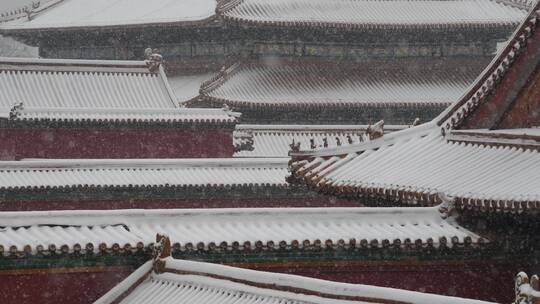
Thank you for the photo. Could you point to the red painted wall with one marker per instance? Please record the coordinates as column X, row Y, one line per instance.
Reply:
column 525, row 111
column 21, row 143
column 152, row 203
column 58, row 288
column 480, row 281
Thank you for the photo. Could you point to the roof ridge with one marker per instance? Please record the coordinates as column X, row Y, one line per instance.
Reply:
column 28, row 10
column 120, row 115
column 224, row 6
column 220, row 78
column 171, row 111
column 59, row 217
column 71, row 62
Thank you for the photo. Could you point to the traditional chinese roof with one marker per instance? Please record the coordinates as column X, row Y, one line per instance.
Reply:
column 312, row 92
column 72, row 174
column 62, row 83
column 362, row 14
column 368, row 14
column 91, row 90
column 275, row 140
column 122, row 116
column 197, row 282
column 219, row 230
column 186, row 87
column 415, row 167
column 54, row 14
column 401, row 82
column 486, row 170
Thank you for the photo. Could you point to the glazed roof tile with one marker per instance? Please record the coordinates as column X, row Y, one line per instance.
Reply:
column 404, row 82
column 198, row 282
column 40, row 174
column 379, row 14
column 126, row 116
column 211, row 228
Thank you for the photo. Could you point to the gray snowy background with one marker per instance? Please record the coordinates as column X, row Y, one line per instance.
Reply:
column 8, row 46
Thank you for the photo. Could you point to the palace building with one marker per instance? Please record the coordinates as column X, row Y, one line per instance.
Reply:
column 375, row 144
column 264, row 54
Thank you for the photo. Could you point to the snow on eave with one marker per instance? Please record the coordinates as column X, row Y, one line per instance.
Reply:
column 68, row 164
column 157, row 115
column 112, row 217
column 248, row 228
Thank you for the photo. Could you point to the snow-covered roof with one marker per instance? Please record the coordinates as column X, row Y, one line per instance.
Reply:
column 221, row 229
column 198, row 282
column 367, row 14
column 371, row 14
column 275, row 140
column 401, row 82
column 54, row 14
column 44, row 174
column 124, row 116
column 92, row 90
column 62, row 83
column 489, row 171
column 416, row 167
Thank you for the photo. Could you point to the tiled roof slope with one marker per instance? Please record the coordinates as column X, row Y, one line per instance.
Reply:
column 275, row 140
column 417, row 167
column 197, row 282
column 405, row 82
column 60, row 83
column 218, row 229
column 43, row 174
column 370, row 14
column 123, row 116
column 106, row 13
column 482, row 170
column 379, row 14
column 91, row 90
